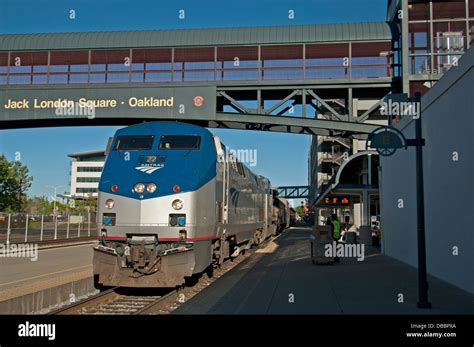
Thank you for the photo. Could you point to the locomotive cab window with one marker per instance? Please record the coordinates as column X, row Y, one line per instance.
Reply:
column 138, row 142
column 180, row 142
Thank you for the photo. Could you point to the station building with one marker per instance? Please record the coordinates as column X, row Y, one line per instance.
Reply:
column 434, row 58
column 432, row 37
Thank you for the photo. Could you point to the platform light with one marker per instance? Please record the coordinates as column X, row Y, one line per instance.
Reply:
column 177, row 204
column 150, row 187
column 139, row 188
column 109, row 203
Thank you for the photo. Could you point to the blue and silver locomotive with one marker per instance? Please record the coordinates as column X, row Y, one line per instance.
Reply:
column 173, row 203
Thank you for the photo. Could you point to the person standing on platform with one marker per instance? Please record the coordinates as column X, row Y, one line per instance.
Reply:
column 336, row 232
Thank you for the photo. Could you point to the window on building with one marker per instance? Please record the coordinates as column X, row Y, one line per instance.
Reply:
column 98, row 158
column 28, row 67
column 110, row 66
column 327, row 61
column 237, row 63
column 282, row 62
column 88, row 179
column 419, row 38
column 3, row 68
column 89, row 169
column 448, row 9
column 421, row 65
column 371, row 59
column 69, row 67
column 194, row 64
column 151, row 65
column 449, row 37
column 419, row 11
column 86, row 190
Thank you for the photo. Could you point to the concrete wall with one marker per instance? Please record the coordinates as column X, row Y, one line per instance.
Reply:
column 448, row 127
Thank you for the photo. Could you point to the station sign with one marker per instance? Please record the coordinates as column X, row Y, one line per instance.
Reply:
column 386, row 140
column 108, row 102
column 337, row 200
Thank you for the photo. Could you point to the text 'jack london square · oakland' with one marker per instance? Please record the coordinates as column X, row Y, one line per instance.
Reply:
column 83, row 102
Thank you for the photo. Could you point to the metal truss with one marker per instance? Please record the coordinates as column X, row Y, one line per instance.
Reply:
column 293, row 192
column 325, row 109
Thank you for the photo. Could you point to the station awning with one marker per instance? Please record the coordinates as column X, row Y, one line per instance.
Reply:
column 353, row 176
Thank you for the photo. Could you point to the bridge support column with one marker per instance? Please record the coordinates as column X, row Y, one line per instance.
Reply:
column 365, row 231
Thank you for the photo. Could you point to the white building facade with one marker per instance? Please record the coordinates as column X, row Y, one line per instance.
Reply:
column 86, row 169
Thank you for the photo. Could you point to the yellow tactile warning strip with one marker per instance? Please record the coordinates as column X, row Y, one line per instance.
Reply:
column 44, row 282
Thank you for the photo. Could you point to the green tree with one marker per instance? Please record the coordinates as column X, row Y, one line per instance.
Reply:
column 39, row 205
column 300, row 211
column 14, row 184
column 88, row 203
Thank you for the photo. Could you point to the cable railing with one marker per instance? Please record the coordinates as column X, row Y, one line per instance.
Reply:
column 22, row 227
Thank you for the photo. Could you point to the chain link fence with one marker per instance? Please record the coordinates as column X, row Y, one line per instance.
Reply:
column 21, row 227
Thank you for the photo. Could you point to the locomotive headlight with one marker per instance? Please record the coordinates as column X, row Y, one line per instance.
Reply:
column 177, row 204
column 151, row 187
column 139, row 188
column 109, row 203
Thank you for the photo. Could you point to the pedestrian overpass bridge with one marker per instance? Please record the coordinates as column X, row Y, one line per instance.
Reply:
column 325, row 79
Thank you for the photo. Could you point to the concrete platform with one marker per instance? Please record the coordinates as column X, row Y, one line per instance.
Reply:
column 28, row 286
column 281, row 279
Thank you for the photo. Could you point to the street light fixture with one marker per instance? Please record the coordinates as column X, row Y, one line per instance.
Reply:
column 55, row 195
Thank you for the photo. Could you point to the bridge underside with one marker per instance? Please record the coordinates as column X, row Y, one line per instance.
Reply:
column 325, row 108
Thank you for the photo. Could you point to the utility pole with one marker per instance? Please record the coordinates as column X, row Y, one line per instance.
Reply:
column 422, row 277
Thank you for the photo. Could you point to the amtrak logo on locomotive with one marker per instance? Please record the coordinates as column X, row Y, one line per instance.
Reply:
column 150, row 163
column 148, row 169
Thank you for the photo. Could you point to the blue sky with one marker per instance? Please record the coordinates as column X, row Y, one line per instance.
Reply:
column 280, row 157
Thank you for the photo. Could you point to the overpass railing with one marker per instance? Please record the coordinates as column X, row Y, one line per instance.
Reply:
column 230, row 63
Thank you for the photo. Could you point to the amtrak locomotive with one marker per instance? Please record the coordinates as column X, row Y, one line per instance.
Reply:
column 173, row 203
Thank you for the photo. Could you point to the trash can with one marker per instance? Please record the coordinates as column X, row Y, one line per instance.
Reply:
column 320, row 237
column 351, row 237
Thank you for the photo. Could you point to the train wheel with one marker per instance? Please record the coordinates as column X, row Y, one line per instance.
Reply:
column 191, row 281
column 210, row 271
column 97, row 285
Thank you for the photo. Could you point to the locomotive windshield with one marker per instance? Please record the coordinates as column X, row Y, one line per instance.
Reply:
column 134, row 142
column 180, row 142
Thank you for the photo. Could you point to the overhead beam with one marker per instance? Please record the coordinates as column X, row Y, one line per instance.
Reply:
column 329, row 108
column 313, row 124
column 281, row 102
column 367, row 113
column 234, row 103
column 293, row 192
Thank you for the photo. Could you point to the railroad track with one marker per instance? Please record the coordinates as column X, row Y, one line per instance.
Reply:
column 114, row 302
column 122, row 301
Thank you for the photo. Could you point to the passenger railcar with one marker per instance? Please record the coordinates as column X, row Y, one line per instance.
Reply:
column 173, row 203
